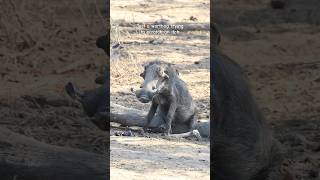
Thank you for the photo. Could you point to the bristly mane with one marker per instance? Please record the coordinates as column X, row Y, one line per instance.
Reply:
column 160, row 62
column 156, row 61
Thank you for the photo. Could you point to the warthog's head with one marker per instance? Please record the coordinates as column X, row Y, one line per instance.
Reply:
column 103, row 42
column 156, row 76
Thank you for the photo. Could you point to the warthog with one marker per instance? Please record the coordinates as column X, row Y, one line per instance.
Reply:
column 172, row 106
column 243, row 146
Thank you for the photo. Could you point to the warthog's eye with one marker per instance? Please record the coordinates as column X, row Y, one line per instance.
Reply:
column 142, row 75
column 165, row 74
column 165, row 77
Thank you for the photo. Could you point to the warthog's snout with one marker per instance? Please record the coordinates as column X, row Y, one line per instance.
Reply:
column 144, row 96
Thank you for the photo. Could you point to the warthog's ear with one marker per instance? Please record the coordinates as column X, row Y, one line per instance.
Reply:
column 216, row 35
column 145, row 66
column 102, row 42
column 175, row 69
column 163, row 71
column 177, row 72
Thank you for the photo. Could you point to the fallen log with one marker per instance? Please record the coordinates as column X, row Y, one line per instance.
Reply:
column 134, row 117
column 93, row 102
column 25, row 158
column 128, row 116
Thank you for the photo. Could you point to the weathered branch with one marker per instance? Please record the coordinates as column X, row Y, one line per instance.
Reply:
column 133, row 117
column 193, row 133
column 127, row 116
column 131, row 27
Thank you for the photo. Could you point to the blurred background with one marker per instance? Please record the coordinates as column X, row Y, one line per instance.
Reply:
column 43, row 45
column 278, row 43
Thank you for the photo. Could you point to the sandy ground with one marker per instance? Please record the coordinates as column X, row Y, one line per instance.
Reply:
column 154, row 157
column 44, row 45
